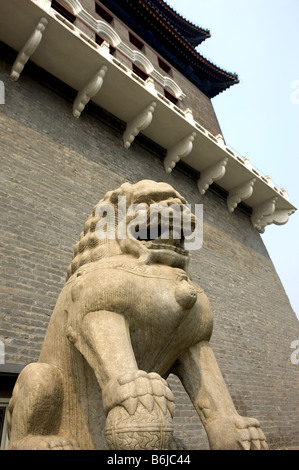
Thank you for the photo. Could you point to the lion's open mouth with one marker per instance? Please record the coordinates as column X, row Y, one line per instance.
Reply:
column 162, row 229
column 162, row 238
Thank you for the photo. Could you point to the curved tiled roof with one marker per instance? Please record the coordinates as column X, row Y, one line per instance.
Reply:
column 170, row 35
column 192, row 33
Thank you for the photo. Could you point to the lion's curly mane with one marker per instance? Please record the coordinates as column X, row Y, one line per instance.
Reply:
column 89, row 247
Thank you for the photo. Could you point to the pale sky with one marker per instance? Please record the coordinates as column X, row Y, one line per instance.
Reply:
column 259, row 117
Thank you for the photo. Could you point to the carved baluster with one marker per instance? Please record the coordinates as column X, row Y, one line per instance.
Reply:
column 211, row 174
column 240, row 193
column 28, row 49
column 89, row 91
column 178, row 151
column 138, row 124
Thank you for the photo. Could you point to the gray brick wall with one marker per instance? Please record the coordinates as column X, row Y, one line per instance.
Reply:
column 54, row 168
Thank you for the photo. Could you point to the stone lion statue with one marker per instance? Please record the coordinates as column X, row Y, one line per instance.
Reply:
column 127, row 317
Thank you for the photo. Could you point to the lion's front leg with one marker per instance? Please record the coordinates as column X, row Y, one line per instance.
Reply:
column 203, row 381
column 139, row 406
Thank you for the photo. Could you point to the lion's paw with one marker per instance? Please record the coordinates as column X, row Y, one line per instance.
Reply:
column 138, row 387
column 45, row 443
column 236, row 433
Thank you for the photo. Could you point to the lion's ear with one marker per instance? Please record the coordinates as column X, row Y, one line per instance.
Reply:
column 124, row 190
column 113, row 196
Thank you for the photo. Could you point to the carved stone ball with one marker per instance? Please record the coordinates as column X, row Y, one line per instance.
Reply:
column 143, row 430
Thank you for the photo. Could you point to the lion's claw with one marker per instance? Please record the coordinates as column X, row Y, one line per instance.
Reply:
column 255, row 438
column 235, row 433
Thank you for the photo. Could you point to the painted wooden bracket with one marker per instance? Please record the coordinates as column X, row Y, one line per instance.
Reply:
column 211, row 174
column 267, row 214
column 240, row 193
column 28, row 49
column 89, row 91
column 138, row 124
column 178, row 151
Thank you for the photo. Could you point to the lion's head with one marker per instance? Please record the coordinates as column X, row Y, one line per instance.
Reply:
column 127, row 221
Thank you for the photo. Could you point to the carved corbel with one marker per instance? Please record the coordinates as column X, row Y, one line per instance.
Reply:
column 266, row 214
column 280, row 217
column 90, row 90
column 211, row 174
column 28, row 49
column 240, row 193
column 178, row 151
column 259, row 213
column 138, row 124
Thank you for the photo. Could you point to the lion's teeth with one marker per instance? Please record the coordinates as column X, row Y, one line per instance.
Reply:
column 164, row 246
